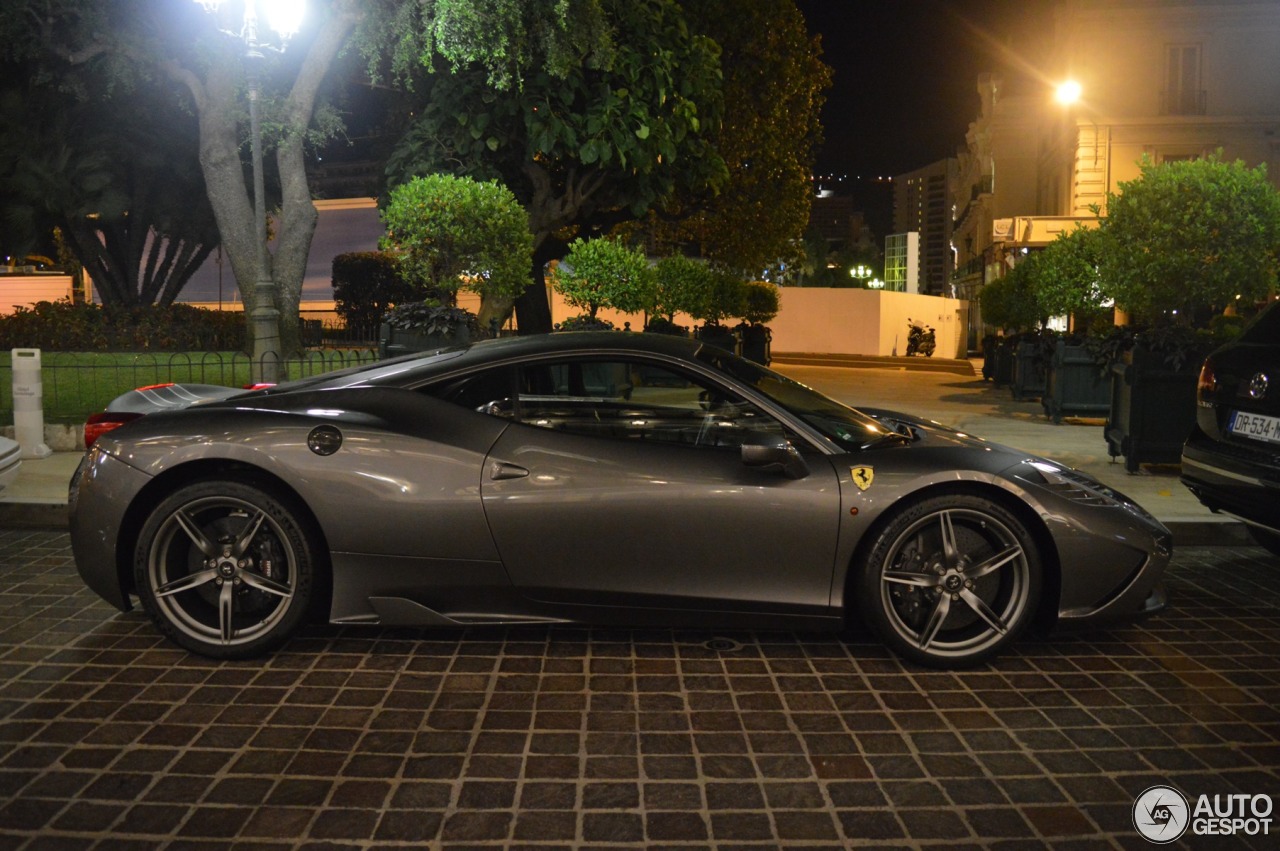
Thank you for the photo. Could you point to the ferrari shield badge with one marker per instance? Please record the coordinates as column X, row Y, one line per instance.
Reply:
column 862, row 477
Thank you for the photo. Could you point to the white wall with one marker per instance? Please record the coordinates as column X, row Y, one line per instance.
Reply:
column 26, row 290
column 839, row 321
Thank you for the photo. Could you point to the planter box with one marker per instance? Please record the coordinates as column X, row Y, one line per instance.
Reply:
column 1002, row 372
column 393, row 342
column 1028, row 376
column 1152, row 411
column 718, row 335
column 1074, row 386
column 757, row 343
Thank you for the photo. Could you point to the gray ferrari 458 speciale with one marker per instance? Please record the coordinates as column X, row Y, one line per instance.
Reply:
column 626, row 479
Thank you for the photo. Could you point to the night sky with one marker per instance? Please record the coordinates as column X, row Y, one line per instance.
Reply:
column 906, row 73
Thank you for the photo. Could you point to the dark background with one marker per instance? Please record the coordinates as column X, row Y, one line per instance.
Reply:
column 905, row 81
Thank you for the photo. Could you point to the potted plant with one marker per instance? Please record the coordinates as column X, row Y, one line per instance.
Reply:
column 721, row 299
column 447, row 234
column 679, row 282
column 760, row 303
column 423, row 326
column 602, row 273
column 1009, row 303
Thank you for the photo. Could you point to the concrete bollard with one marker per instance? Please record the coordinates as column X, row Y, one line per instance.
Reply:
column 28, row 403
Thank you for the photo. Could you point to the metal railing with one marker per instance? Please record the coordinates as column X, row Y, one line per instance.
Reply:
column 77, row 384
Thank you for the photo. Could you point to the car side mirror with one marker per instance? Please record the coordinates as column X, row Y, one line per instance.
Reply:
column 772, row 454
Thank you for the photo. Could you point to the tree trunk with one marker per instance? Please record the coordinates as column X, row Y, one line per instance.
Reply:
column 216, row 101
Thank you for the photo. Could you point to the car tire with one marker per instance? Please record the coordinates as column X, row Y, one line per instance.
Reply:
column 225, row 569
column 949, row 606
column 1266, row 539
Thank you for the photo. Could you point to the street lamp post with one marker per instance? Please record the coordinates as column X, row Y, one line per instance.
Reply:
column 285, row 17
column 861, row 273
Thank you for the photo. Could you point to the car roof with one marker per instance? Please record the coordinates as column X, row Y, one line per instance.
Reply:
column 423, row 365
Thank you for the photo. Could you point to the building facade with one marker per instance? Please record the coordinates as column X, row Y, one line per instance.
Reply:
column 922, row 203
column 1161, row 79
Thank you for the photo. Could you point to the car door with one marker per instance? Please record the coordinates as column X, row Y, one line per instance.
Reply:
column 621, row 482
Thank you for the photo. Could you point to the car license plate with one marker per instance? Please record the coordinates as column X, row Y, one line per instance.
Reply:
column 1256, row 426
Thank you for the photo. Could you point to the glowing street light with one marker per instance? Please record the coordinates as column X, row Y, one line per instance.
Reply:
column 284, row 17
column 861, row 272
column 1068, row 92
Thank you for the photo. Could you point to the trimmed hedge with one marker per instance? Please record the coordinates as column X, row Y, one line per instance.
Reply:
column 63, row 326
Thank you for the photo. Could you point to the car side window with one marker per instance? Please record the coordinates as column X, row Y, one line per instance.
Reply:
column 634, row 400
column 491, row 391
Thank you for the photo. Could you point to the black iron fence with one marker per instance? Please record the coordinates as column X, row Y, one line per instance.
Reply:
column 76, row 384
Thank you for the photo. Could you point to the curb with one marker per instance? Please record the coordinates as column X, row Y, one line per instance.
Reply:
column 957, row 367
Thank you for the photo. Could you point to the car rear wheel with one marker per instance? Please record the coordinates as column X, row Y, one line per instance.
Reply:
column 224, row 568
column 950, row 581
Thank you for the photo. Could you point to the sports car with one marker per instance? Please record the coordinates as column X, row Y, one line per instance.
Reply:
column 594, row 477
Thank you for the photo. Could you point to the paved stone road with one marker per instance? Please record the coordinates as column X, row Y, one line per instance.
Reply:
column 365, row 738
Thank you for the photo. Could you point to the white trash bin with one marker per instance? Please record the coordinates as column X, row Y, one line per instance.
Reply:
column 28, row 403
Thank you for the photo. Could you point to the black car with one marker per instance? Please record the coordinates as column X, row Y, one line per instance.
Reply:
column 1231, row 462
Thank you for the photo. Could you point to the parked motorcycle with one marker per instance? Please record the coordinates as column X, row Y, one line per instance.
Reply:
column 920, row 339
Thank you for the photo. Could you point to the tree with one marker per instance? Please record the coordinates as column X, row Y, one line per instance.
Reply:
column 366, row 284
column 176, row 39
column 1187, row 238
column 584, row 146
column 774, row 88
column 603, row 272
column 1066, row 274
column 114, row 169
column 761, row 302
column 1010, row 302
column 450, row 233
column 679, row 285
column 144, row 38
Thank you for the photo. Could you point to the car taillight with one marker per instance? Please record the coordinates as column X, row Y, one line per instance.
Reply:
column 99, row 424
column 261, row 385
column 1208, row 383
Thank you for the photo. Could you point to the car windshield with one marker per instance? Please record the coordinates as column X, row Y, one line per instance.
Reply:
column 845, row 426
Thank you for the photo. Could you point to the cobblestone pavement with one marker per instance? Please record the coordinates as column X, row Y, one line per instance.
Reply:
column 363, row 738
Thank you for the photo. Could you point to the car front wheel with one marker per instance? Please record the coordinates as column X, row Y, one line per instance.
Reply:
column 950, row 581
column 224, row 568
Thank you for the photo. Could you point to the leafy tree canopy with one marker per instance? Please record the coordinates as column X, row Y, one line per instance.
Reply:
column 680, row 282
column 453, row 233
column 774, row 88
column 1188, row 237
column 603, row 272
column 1010, row 302
column 602, row 143
column 1066, row 274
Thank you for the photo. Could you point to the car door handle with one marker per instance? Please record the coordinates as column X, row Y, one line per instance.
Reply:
column 502, row 470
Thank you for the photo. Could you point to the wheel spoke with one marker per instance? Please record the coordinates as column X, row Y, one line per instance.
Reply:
column 984, row 611
column 903, row 577
column 251, row 529
column 226, row 611
column 268, row 586
column 194, row 532
column 186, row 583
column 936, row 618
column 994, row 563
column 950, row 552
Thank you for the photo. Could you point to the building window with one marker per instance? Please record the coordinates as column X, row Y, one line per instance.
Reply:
column 1182, row 93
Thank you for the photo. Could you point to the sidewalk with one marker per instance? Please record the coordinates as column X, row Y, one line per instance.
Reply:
column 966, row 402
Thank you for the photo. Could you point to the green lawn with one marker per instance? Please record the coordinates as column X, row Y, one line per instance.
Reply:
column 76, row 384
